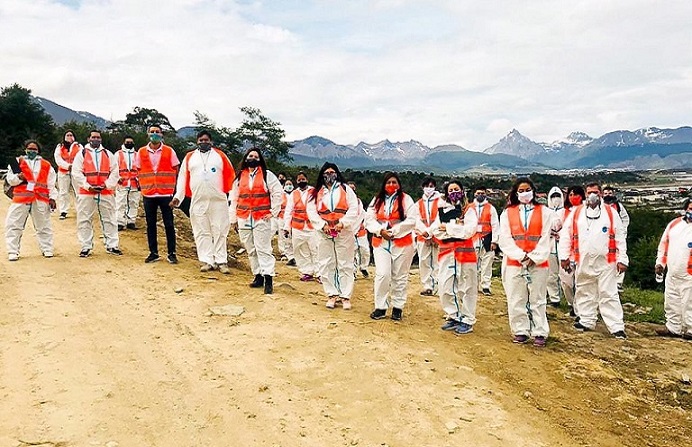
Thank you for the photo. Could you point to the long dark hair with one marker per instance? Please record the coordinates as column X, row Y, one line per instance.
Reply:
column 576, row 189
column 262, row 163
column 320, row 178
column 513, row 198
column 445, row 194
column 379, row 198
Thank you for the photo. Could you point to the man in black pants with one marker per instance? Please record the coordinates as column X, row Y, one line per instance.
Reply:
column 158, row 168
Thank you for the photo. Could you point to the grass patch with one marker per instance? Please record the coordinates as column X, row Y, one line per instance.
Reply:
column 649, row 305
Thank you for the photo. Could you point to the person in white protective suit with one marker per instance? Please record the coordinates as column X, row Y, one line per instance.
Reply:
column 34, row 194
column 486, row 237
column 298, row 227
column 64, row 155
column 525, row 227
column 426, row 245
column 556, row 203
column 675, row 256
column 391, row 218
column 206, row 176
column 284, row 240
column 333, row 212
column 594, row 237
column 362, row 253
column 575, row 197
column 455, row 227
column 610, row 198
column 95, row 174
column 255, row 199
column 127, row 194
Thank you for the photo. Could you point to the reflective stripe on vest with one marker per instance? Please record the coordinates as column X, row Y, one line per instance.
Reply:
column 389, row 220
column 68, row 155
column 96, row 176
column 484, row 221
column 332, row 217
column 160, row 182
column 423, row 213
column 463, row 250
column 612, row 246
column 127, row 175
column 21, row 193
column 282, row 211
column 666, row 243
column 525, row 238
column 253, row 200
column 299, row 217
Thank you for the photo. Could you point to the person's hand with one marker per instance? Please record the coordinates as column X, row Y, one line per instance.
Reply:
column 621, row 267
column 425, row 234
column 339, row 226
column 386, row 234
column 443, row 227
column 175, row 203
column 530, row 263
column 566, row 266
column 659, row 269
column 52, row 204
column 21, row 176
column 493, row 246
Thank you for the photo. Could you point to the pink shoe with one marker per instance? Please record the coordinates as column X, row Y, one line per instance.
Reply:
column 346, row 303
column 331, row 302
column 306, row 278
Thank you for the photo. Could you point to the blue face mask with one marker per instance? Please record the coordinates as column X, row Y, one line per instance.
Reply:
column 688, row 216
column 31, row 154
column 155, row 137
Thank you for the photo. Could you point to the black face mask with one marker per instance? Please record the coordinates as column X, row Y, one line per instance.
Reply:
column 66, row 143
column 129, row 145
column 204, row 147
column 251, row 163
column 302, row 185
column 609, row 199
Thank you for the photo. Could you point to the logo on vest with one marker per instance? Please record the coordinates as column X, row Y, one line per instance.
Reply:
column 604, row 229
column 689, row 245
column 213, row 169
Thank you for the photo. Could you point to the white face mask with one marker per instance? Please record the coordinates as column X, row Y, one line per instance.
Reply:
column 555, row 202
column 525, row 197
column 428, row 190
column 593, row 200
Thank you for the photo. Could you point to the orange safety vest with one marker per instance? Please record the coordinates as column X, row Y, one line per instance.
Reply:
column 666, row 243
column 391, row 220
column 612, row 246
column 282, row 211
column 299, row 218
column 160, row 182
column 526, row 239
column 361, row 230
column 227, row 173
column 68, row 154
column 96, row 177
column 41, row 192
column 128, row 176
column 423, row 213
column 484, row 221
column 463, row 249
column 332, row 217
column 253, row 201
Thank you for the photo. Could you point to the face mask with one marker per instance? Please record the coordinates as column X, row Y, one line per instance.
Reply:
column 455, row 196
column 391, row 189
column 525, row 197
column 609, row 199
column 129, row 145
column 66, row 143
column 480, row 198
column 428, row 190
column 282, row 181
column 555, row 202
column 575, row 200
column 155, row 137
column 31, row 154
column 329, row 178
column 288, row 188
column 204, row 147
column 95, row 143
column 593, row 200
column 251, row 162
column 688, row 216
column 302, row 185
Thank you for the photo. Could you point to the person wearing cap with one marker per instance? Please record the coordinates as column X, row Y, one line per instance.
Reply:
column 33, row 181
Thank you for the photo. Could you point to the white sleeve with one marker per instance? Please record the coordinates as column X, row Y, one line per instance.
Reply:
column 541, row 252
column 77, row 171
column 661, row 247
column 288, row 211
column 52, row 178
column 466, row 229
column 313, row 215
column 233, row 198
column 181, row 183
column 371, row 223
column 275, row 193
column 351, row 217
column 114, row 176
column 506, row 241
column 494, row 224
column 12, row 178
column 620, row 240
column 564, row 245
column 58, row 157
column 407, row 225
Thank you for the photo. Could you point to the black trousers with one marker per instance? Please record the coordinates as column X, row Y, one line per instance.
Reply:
column 151, row 205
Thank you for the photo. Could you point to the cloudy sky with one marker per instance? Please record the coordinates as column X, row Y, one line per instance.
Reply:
column 440, row 71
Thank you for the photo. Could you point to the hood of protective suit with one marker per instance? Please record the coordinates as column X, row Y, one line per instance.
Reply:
column 554, row 190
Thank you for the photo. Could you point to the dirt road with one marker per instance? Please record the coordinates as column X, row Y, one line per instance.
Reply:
column 103, row 352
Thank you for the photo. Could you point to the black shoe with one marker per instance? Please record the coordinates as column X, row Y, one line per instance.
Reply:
column 63, row 216
column 291, row 262
column 397, row 314
column 84, row 253
column 486, row 292
column 121, row 227
column 364, row 273
column 172, row 258
column 268, row 284
column 258, row 282
column 153, row 257
column 687, row 336
column 131, row 226
column 620, row 335
column 580, row 327
column 572, row 313
column 378, row 314
column 555, row 303
column 114, row 251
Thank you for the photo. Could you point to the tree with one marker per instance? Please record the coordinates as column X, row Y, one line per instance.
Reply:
column 260, row 131
column 223, row 137
column 139, row 121
column 22, row 118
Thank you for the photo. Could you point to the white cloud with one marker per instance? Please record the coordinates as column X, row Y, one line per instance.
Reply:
column 462, row 72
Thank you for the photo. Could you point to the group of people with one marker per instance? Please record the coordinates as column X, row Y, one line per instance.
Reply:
column 573, row 246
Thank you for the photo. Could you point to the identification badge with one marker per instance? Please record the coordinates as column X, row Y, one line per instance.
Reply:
column 30, row 186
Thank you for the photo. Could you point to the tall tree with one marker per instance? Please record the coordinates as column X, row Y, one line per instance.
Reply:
column 140, row 119
column 260, row 131
column 22, row 118
column 223, row 137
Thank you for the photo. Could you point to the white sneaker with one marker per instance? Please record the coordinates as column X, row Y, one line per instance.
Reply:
column 223, row 268
column 13, row 256
column 206, row 268
column 48, row 254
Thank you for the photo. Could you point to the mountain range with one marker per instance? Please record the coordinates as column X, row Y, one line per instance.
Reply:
column 648, row 148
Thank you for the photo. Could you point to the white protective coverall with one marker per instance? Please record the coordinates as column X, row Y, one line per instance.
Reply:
column 66, row 186
column 256, row 235
column 335, row 254
column 304, row 240
column 524, row 286
column 127, row 194
column 428, row 250
column 392, row 262
column 210, row 177
column 486, row 257
column 558, row 208
column 458, row 282
column 566, row 278
column 18, row 213
column 362, row 251
column 595, row 277
column 284, row 243
column 88, row 204
column 678, row 260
